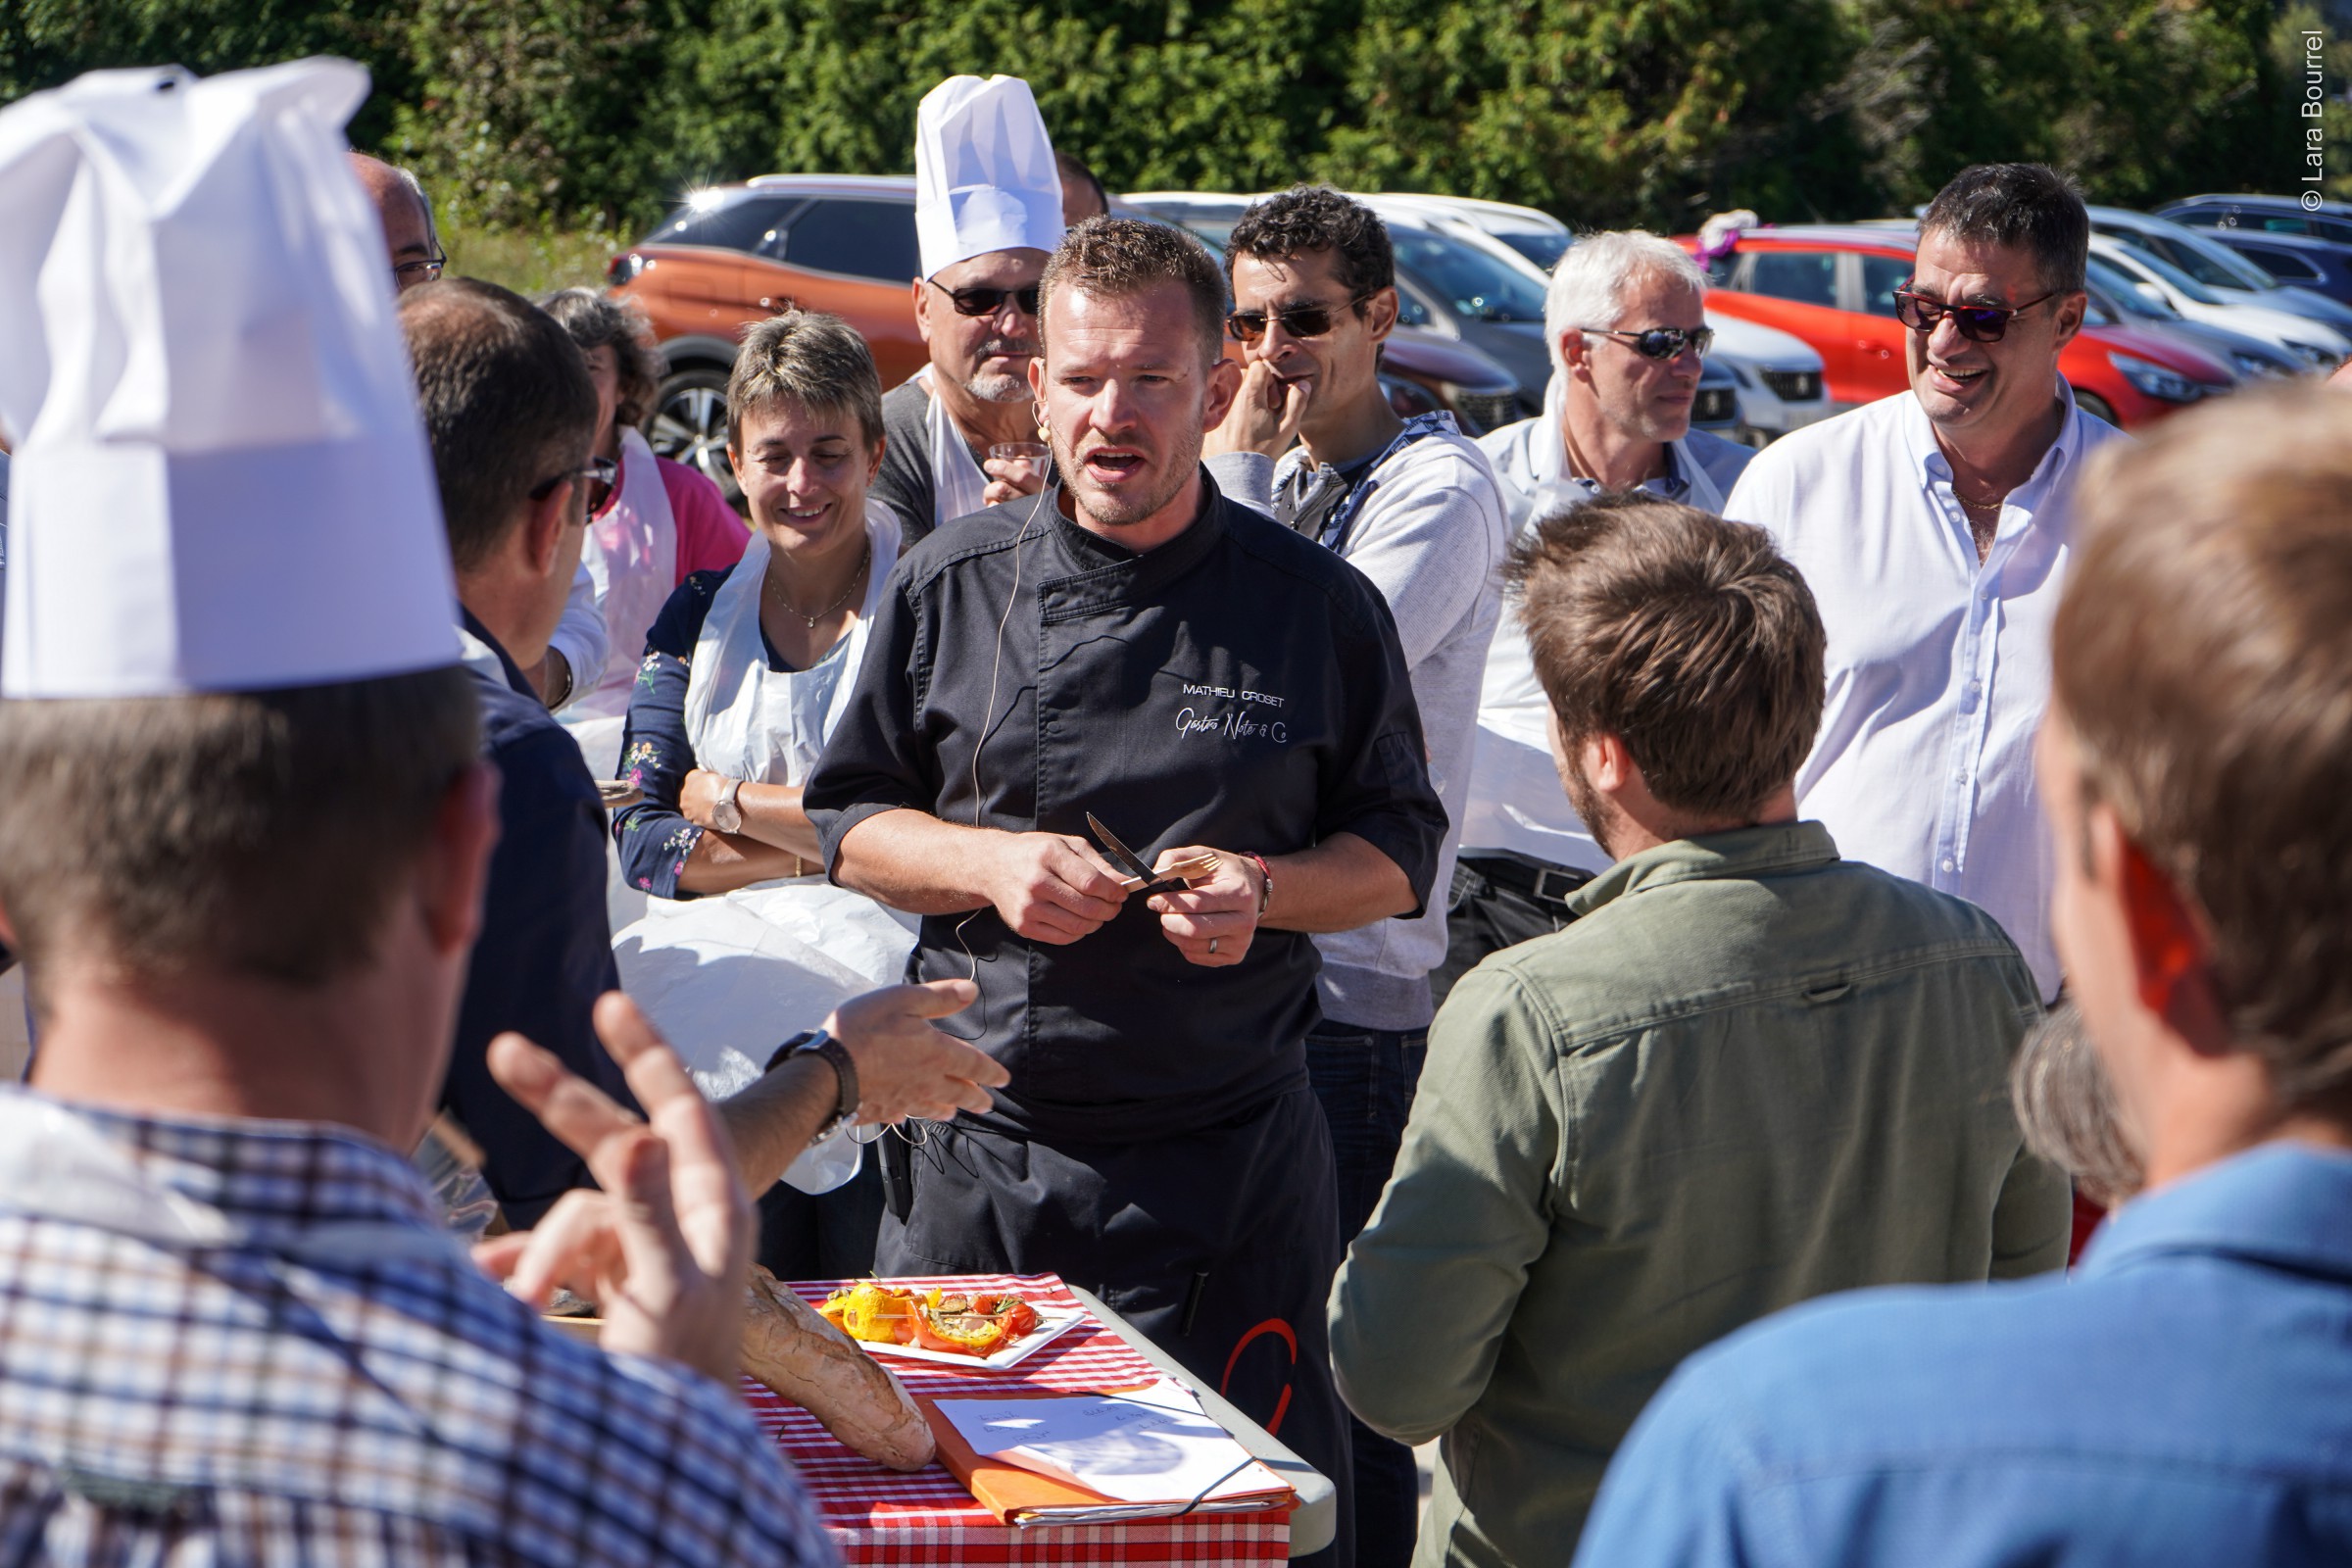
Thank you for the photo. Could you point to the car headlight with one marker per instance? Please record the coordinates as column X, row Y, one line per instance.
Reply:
column 2253, row 367
column 2154, row 380
column 2310, row 354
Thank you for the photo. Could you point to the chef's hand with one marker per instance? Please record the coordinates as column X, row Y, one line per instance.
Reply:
column 1009, row 479
column 1221, row 908
column 1050, row 887
column 1264, row 417
column 905, row 1066
column 663, row 1251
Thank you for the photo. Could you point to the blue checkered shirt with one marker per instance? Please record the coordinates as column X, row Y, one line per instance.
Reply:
column 320, row 1376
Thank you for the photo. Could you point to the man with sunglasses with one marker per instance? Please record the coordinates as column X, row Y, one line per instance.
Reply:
column 1934, row 527
column 1411, row 505
column 576, row 651
column 987, row 213
column 1625, row 318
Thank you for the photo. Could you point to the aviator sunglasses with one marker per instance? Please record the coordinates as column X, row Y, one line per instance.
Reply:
column 1662, row 342
column 1299, row 320
column 978, row 301
column 1979, row 323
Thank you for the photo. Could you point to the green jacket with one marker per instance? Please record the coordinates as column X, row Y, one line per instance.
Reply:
column 1749, row 1074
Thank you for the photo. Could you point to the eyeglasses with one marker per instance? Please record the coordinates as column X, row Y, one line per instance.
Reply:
column 599, row 473
column 406, row 273
column 1662, row 342
column 977, row 301
column 1979, row 323
column 1299, row 320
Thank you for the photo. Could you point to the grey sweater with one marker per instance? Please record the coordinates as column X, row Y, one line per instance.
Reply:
column 1430, row 535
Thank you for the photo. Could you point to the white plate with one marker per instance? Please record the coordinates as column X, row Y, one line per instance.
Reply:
column 1052, row 1322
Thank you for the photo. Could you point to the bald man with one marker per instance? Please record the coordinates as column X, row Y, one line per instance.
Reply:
column 408, row 220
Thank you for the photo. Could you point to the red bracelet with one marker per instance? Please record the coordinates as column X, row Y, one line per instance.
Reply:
column 1265, row 891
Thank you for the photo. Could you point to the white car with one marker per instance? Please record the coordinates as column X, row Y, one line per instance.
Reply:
column 1779, row 374
column 2316, row 344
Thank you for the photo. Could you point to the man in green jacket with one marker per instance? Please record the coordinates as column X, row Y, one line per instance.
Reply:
column 1749, row 1074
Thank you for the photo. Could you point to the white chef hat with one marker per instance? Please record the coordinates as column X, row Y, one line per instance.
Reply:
column 220, row 482
column 984, row 173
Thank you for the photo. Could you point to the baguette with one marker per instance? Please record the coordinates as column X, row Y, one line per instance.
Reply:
column 788, row 1345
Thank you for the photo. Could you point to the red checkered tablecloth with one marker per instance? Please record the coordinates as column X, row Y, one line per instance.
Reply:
column 878, row 1515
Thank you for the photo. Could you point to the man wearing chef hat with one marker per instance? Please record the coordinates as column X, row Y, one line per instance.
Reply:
column 987, row 213
column 243, row 851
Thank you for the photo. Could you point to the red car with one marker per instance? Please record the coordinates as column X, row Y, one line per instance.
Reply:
column 1833, row 286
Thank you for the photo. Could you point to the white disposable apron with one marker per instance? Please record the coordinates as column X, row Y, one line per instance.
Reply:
column 958, row 487
column 631, row 553
column 728, row 978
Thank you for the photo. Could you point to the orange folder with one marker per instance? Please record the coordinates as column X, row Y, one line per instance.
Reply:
column 1016, row 1495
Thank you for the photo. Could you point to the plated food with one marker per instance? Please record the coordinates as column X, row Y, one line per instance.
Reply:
column 974, row 1324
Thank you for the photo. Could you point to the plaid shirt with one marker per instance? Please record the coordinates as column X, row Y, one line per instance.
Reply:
column 249, row 1341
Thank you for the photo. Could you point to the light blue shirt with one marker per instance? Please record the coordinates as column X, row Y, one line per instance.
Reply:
column 1938, row 664
column 2185, row 1400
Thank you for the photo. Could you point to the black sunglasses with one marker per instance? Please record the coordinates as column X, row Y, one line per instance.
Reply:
column 1979, row 323
column 1299, row 320
column 1662, row 342
column 599, row 473
column 977, row 301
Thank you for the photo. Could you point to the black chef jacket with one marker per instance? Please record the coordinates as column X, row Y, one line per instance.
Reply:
column 1237, row 687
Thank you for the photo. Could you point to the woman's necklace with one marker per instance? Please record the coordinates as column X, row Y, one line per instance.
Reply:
column 847, row 588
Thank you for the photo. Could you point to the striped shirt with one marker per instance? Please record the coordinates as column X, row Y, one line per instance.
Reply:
column 249, row 1341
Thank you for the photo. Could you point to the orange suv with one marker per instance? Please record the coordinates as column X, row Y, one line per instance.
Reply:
column 729, row 255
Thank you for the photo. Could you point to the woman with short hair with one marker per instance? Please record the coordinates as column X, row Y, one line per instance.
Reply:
column 745, row 674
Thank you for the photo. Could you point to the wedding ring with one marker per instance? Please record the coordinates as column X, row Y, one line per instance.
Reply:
column 1212, row 945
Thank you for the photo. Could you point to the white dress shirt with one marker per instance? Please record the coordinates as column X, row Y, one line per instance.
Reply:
column 1516, row 802
column 1938, row 665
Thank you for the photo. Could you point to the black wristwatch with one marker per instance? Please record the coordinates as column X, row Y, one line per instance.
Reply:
column 817, row 1043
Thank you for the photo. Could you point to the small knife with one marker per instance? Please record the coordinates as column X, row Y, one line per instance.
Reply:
column 1138, row 873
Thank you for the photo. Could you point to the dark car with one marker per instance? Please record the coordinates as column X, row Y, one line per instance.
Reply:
column 2270, row 215
column 1442, row 285
column 2299, row 261
column 731, row 255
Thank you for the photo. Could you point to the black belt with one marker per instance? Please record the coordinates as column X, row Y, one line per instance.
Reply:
column 1545, row 884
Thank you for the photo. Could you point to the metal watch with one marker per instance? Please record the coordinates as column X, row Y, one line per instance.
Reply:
column 726, row 815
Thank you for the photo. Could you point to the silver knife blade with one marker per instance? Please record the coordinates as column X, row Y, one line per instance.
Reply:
column 1126, row 856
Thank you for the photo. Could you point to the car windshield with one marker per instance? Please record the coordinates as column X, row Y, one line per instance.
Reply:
column 2112, row 281
column 2236, row 271
column 1482, row 287
column 2135, row 259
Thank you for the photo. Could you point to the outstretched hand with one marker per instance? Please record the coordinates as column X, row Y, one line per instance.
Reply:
column 664, row 1248
column 905, row 1066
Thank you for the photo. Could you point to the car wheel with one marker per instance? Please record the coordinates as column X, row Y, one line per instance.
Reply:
column 690, row 425
column 2088, row 402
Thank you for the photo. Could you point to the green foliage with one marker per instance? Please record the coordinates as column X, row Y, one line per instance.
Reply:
column 593, row 114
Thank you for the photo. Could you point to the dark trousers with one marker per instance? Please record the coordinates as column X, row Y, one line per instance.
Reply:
column 1219, row 1245
column 1365, row 1079
column 1499, row 901
column 829, row 1236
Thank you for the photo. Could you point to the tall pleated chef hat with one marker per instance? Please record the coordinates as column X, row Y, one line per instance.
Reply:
column 984, row 173
column 221, row 483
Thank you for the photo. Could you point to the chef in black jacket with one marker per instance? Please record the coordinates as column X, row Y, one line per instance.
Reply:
column 1131, row 644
